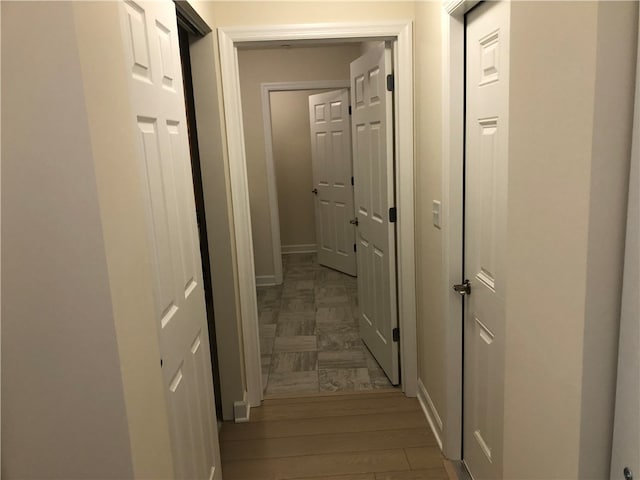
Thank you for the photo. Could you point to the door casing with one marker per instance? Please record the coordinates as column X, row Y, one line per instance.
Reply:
column 401, row 34
column 449, row 432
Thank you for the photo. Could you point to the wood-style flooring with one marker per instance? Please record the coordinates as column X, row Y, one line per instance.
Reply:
column 366, row 436
column 309, row 333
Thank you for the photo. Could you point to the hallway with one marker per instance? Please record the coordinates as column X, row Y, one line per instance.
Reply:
column 367, row 436
column 309, row 338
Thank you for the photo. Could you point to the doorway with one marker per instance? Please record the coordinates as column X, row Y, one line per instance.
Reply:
column 185, row 36
column 309, row 325
column 400, row 36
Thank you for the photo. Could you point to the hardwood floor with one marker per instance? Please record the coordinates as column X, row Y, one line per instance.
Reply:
column 367, row 436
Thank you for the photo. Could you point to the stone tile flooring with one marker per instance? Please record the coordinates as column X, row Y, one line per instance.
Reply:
column 309, row 339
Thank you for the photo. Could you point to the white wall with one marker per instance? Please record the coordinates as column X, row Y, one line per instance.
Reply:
column 82, row 385
column 571, row 97
column 64, row 412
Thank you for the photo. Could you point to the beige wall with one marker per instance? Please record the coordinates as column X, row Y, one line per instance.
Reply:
column 291, row 136
column 277, row 65
column 64, row 404
column 217, row 198
column 570, row 122
column 432, row 325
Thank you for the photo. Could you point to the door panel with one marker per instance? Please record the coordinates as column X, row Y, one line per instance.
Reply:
column 332, row 171
column 374, row 195
column 486, row 164
column 151, row 46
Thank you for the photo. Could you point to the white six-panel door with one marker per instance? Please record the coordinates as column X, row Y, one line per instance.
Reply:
column 332, row 172
column 151, row 43
column 486, row 163
column 372, row 130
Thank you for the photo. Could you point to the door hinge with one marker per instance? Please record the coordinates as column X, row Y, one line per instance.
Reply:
column 352, row 181
column 390, row 82
column 393, row 215
column 396, row 334
column 349, row 109
column 355, row 248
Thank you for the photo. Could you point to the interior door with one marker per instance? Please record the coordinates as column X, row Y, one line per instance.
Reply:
column 486, row 163
column 626, row 433
column 372, row 120
column 151, row 43
column 332, row 174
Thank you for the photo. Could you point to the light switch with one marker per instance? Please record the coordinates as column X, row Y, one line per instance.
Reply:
column 435, row 213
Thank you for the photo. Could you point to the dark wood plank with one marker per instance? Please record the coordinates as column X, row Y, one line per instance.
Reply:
column 314, row 426
column 339, row 408
column 316, row 465
column 424, row 457
column 326, row 443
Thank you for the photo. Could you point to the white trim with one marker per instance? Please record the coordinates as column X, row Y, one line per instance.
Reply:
column 308, row 248
column 272, row 182
column 430, row 412
column 458, row 8
column 241, row 217
column 229, row 38
column 241, row 410
column 452, row 212
column 266, row 280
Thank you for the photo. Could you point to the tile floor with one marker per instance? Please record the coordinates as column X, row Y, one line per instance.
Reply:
column 309, row 336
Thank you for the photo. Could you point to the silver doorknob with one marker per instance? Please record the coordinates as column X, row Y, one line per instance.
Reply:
column 354, row 221
column 463, row 288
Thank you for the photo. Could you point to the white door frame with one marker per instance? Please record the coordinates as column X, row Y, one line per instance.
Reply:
column 401, row 32
column 453, row 65
column 272, row 182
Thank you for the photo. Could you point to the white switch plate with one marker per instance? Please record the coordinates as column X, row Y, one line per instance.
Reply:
column 435, row 213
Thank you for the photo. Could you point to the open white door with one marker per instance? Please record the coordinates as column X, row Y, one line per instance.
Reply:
column 332, row 174
column 486, row 165
column 151, row 42
column 372, row 120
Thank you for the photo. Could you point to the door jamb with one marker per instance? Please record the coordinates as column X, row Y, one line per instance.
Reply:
column 272, row 183
column 402, row 35
column 453, row 65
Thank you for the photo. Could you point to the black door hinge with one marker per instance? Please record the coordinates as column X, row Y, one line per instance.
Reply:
column 355, row 248
column 390, row 82
column 393, row 215
column 396, row 334
column 352, row 181
column 349, row 109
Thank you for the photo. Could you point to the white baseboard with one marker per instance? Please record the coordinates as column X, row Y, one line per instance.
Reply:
column 265, row 280
column 429, row 409
column 242, row 410
column 307, row 248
